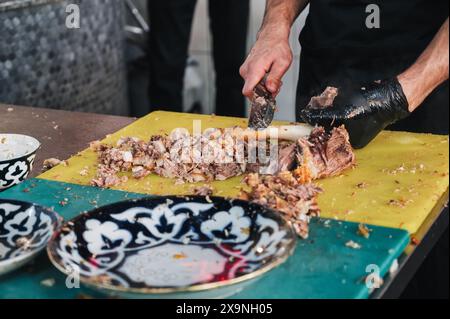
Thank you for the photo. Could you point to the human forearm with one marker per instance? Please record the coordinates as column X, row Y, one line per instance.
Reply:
column 280, row 15
column 429, row 71
column 272, row 54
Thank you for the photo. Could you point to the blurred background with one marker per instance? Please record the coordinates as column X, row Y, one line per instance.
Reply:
column 103, row 67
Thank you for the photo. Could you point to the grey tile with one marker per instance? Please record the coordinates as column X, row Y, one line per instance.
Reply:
column 44, row 64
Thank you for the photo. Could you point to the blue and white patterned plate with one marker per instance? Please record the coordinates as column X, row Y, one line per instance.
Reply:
column 25, row 230
column 172, row 246
column 17, row 154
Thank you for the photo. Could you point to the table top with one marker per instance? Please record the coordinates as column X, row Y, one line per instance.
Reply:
column 61, row 133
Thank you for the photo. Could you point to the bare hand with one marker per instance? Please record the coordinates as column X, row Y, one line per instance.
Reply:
column 270, row 55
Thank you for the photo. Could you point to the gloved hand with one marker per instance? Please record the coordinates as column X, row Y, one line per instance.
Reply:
column 365, row 111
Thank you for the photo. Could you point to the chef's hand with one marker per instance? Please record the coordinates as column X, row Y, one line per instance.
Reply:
column 365, row 111
column 271, row 55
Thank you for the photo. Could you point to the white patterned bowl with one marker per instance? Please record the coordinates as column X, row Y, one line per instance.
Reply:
column 25, row 230
column 17, row 154
column 172, row 247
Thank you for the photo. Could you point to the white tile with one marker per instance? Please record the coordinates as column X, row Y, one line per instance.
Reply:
column 211, row 78
column 257, row 8
column 295, row 78
column 286, row 98
column 201, row 35
column 204, row 71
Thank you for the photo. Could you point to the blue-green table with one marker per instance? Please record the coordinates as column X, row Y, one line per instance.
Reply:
column 321, row 267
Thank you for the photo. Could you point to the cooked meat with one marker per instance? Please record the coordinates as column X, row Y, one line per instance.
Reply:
column 286, row 188
column 215, row 156
column 107, row 177
column 52, row 162
column 287, row 157
column 326, row 99
column 253, row 168
column 324, row 155
column 167, row 156
column 297, row 202
column 318, row 156
column 205, row 190
column 225, row 171
column 285, row 160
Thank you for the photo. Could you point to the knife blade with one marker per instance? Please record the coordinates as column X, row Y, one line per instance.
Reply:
column 263, row 107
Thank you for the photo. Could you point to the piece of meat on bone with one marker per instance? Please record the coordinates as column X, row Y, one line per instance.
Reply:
column 316, row 156
column 324, row 100
column 297, row 202
column 324, row 154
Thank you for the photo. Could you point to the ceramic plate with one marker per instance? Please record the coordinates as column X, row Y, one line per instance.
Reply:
column 172, row 245
column 25, row 230
column 17, row 154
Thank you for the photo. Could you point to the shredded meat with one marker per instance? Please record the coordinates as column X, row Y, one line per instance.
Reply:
column 287, row 157
column 50, row 163
column 176, row 157
column 167, row 156
column 286, row 185
column 297, row 202
column 53, row 162
column 326, row 99
column 285, row 161
column 324, row 155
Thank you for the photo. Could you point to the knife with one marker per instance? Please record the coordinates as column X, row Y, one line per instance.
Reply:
column 263, row 107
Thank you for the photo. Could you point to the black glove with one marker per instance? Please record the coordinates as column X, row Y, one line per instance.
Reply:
column 365, row 111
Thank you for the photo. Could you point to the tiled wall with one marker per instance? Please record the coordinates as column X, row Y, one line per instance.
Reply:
column 200, row 49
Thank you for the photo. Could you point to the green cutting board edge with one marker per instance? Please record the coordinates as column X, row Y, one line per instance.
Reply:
column 321, row 267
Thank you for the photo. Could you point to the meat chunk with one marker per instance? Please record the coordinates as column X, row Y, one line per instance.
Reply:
column 324, row 154
column 326, row 99
column 107, row 177
column 205, row 190
column 50, row 163
column 318, row 156
column 284, row 161
column 225, row 171
column 295, row 201
column 287, row 157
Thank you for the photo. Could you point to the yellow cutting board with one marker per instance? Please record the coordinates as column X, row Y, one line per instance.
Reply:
column 398, row 179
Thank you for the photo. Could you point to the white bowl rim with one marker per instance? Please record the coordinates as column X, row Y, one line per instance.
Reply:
column 32, row 139
column 32, row 252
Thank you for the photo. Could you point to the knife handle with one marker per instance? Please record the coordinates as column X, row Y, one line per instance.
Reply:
column 261, row 90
